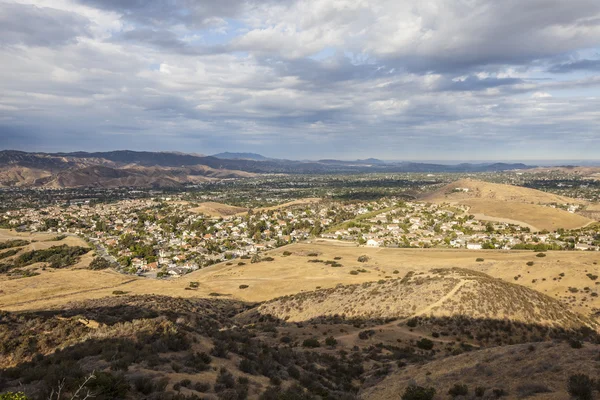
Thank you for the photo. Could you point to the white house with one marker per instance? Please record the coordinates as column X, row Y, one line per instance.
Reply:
column 374, row 243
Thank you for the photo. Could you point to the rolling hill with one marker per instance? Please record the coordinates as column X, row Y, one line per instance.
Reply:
column 436, row 293
column 18, row 168
column 481, row 190
column 513, row 204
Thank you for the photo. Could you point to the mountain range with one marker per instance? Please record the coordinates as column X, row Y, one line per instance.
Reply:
column 172, row 169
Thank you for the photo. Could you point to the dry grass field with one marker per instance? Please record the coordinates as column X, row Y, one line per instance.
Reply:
column 511, row 204
column 564, row 276
column 214, row 209
column 299, row 202
column 534, row 216
column 436, row 293
column 494, row 191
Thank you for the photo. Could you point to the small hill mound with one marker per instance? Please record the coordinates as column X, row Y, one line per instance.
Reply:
column 214, row 209
column 534, row 216
column 511, row 204
column 439, row 292
column 467, row 189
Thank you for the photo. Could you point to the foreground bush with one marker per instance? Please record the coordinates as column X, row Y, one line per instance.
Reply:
column 418, row 393
column 580, row 386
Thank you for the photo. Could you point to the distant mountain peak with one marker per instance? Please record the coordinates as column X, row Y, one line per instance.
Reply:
column 240, row 156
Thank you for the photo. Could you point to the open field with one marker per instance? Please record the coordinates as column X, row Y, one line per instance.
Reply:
column 494, row 191
column 293, row 274
column 299, row 202
column 214, row 209
column 512, row 204
column 534, row 216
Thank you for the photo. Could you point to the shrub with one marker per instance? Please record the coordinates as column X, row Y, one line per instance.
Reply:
column 414, row 392
column 425, row 344
column 287, row 253
column 241, row 263
column 330, row 341
column 268, row 259
column 529, row 263
column 363, row 258
column 118, row 292
column 364, row 335
column 411, row 323
column 540, row 255
column 201, row 387
column 108, row 386
column 531, row 389
column 311, row 343
column 458, row 390
column 479, row 259
column 479, row 391
column 244, row 286
column 99, row 263
column 312, row 254
column 353, row 272
column 592, row 276
column 580, row 386
column 576, row 344
column 194, row 284
column 13, row 396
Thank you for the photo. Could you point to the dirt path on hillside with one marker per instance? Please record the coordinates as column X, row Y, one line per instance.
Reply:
column 441, row 301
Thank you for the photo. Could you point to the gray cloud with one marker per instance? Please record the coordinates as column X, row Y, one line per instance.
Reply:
column 446, row 79
column 29, row 25
column 579, row 65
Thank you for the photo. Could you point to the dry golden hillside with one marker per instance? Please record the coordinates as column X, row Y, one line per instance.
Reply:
column 437, row 293
column 539, row 371
column 511, row 204
column 214, row 209
column 535, row 217
column 565, row 276
column 495, row 191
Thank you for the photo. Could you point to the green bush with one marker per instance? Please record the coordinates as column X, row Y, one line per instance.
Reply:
column 244, row 286
column 425, row 344
column 13, row 396
column 458, row 390
column 540, row 255
column 99, row 263
column 311, row 343
column 414, row 392
column 363, row 259
column 330, row 341
column 479, row 259
column 580, row 387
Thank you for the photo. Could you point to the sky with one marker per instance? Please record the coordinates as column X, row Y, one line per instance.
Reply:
column 304, row 79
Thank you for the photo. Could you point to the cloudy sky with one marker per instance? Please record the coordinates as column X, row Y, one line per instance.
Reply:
column 394, row 79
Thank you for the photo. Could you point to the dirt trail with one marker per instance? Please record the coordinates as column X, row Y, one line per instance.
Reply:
column 441, row 301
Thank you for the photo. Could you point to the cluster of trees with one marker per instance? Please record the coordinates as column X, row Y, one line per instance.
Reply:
column 55, row 256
